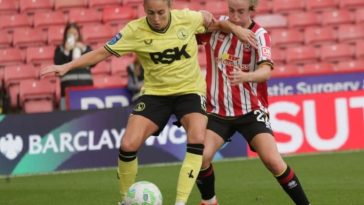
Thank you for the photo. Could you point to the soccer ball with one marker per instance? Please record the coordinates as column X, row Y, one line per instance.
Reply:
column 143, row 193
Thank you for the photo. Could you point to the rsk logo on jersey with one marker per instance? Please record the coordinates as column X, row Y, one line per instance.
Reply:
column 11, row 146
column 170, row 55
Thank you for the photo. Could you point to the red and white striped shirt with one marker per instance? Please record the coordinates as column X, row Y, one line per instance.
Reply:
column 224, row 52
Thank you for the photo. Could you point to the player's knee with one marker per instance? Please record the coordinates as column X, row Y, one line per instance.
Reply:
column 274, row 165
column 129, row 145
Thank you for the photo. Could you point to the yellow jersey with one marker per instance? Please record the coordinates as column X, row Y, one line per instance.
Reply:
column 169, row 59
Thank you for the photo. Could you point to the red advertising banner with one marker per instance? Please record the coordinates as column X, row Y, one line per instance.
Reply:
column 318, row 122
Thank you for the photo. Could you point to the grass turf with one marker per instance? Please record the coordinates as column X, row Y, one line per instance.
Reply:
column 329, row 179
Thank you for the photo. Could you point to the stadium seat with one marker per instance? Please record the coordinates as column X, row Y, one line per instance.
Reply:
column 202, row 59
column 321, row 5
column 119, row 65
column 288, row 6
column 102, row 68
column 286, row 70
column 271, row 21
column 303, row 19
column 97, row 33
column 140, row 11
column 40, row 55
column 9, row 7
column 33, row 6
column 359, row 17
column 286, row 38
column 69, row 4
column 29, row 37
column 337, row 52
column 359, row 50
column 317, row 68
column 104, row 3
column 12, row 77
column 46, row 19
column 9, row 22
column 37, row 96
column 301, row 54
column 11, row 56
column 320, row 35
column 337, row 17
column 217, row 8
column 265, row 7
column 350, row 66
column 351, row 4
column 118, row 15
column 5, row 40
column 351, row 33
column 133, row 3
column 279, row 55
column 187, row 5
column 83, row 16
column 102, row 81
column 55, row 35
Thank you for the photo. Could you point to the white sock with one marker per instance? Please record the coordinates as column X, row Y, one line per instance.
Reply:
column 210, row 201
column 180, row 203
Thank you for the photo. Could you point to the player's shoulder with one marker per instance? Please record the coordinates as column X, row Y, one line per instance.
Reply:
column 182, row 14
column 257, row 28
column 136, row 24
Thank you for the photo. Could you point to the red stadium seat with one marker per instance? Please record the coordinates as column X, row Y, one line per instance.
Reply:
column 287, row 6
column 320, row 35
column 351, row 33
column 83, row 16
column 318, row 68
column 285, row 38
column 29, row 37
column 336, row 17
column 118, row 15
column 301, row 54
column 303, row 19
column 96, row 33
column 11, row 56
column 9, row 22
column 337, row 52
column 321, row 5
column 359, row 49
column 202, row 58
column 359, row 16
column 5, row 40
column 279, row 55
column 119, row 65
column 46, row 19
column 350, row 66
column 286, row 70
column 69, row 4
column 265, row 7
column 9, row 7
column 217, row 8
column 12, row 77
column 32, row 6
column 40, row 55
column 271, row 21
column 351, row 4
column 133, row 3
column 37, row 96
column 104, row 3
column 102, row 68
column 55, row 35
column 102, row 81
column 187, row 5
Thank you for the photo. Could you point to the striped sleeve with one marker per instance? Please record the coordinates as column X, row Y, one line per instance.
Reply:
column 264, row 47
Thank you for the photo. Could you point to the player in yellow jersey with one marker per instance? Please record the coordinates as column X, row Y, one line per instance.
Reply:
column 165, row 44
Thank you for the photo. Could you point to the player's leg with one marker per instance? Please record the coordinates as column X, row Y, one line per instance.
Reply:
column 150, row 115
column 266, row 148
column 189, row 110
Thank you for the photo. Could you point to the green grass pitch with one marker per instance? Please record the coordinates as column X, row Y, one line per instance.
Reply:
column 329, row 179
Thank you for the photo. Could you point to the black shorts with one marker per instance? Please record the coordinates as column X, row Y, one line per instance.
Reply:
column 159, row 108
column 248, row 125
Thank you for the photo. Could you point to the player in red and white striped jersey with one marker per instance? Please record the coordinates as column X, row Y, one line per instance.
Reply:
column 236, row 75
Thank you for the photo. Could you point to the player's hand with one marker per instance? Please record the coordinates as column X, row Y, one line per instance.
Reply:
column 58, row 70
column 246, row 35
column 238, row 76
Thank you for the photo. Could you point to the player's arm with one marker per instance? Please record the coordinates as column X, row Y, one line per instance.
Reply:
column 90, row 58
column 261, row 74
column 243, row 34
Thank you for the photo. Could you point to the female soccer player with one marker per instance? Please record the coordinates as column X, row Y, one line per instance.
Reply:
column 237, row 101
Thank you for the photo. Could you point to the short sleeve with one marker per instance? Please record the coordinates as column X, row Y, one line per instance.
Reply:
column 196, row 19
column 123, row 42
column 264, row 48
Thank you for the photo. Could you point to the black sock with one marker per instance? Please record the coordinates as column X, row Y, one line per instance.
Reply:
column 127, row 156
column 206, row 183
column 290, row 183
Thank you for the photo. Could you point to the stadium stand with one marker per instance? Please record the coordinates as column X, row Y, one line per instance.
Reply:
column 119, row 65
column 308, row 36
column 102, row 81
